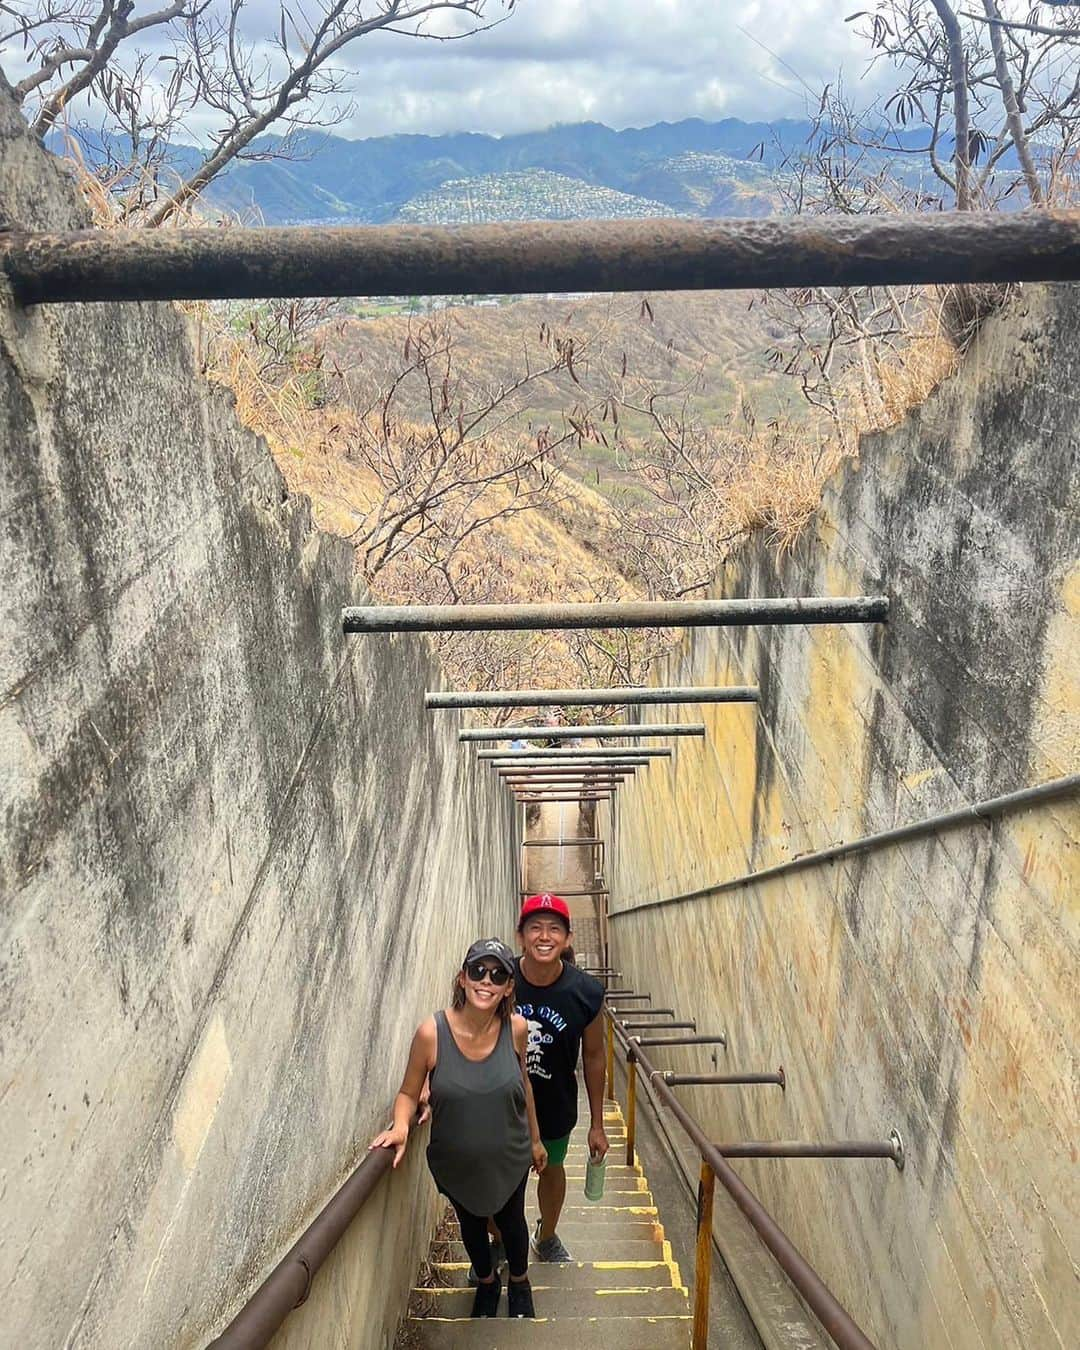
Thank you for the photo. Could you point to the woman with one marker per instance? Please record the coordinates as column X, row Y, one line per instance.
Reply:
column 484, row 1134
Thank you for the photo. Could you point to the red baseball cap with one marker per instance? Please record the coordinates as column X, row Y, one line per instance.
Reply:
column 545, row 902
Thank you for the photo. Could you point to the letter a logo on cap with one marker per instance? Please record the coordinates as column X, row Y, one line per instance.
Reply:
column 546, row 903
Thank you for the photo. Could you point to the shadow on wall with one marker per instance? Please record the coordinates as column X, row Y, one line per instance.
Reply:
column 209, row 846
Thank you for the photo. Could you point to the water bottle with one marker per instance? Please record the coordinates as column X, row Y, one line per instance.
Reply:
column 594, row 1177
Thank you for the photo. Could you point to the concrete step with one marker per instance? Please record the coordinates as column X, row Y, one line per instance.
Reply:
column 608, row 1207
column 590, row 1250
column 614, row 1170
column 645, row 1229
column 582, row 1333
column 613, row 1182
column 575, row 1274
column 559, row 1303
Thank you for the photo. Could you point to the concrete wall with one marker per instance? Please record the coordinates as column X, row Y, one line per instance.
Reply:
column 238, row 861
column 931, row 986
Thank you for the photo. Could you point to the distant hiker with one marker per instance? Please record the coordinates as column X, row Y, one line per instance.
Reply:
column 562, row 1005
column 484, row 1133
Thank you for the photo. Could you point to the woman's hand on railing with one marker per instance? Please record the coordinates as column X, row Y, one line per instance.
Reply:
column 396, row 1137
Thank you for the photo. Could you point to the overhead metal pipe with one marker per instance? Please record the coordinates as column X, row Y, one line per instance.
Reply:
column 578, row 698
column 616, row 731
column 567, row 843
column 891, row 1148
column 600, row 890
column 528, row 799
column 616, row 614
column 564, row 779
column 580, row 765
column 590, row 776
column 635, row 754
column 565, row 771
column 916, row 248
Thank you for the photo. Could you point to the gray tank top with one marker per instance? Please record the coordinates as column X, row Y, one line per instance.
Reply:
column 479, row 1149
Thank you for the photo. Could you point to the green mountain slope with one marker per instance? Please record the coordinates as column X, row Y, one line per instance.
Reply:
column 532, row 194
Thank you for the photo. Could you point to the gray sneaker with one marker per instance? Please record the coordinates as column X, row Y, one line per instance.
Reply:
column 548, row 1249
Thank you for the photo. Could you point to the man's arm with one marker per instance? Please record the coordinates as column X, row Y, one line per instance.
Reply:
column 593, row 1059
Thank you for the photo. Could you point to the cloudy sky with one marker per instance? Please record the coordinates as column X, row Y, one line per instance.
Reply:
column 622, row 62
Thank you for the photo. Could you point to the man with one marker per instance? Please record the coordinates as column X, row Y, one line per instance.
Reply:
column 562, row 1007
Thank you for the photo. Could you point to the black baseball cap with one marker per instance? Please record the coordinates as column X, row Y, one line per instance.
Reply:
column 492, row 947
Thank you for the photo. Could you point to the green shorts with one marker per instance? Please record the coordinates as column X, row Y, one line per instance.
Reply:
column 556, row 1150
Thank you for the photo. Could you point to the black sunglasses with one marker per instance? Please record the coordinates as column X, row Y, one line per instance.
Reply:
column 476, row 970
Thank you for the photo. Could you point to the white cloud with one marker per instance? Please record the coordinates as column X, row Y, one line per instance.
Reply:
column 621, row 62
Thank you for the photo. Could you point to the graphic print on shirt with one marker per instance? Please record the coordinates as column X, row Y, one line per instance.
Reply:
column 534, row 1051
column 539, row 1036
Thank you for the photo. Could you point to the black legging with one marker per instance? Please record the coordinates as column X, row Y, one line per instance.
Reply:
column 510, row 1222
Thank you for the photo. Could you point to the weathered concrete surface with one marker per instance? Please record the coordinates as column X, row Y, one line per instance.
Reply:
column 932, row 986
column 237, row 859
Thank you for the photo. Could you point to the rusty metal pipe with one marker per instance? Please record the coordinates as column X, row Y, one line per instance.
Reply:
column 615, row 731
column 985, row 811
column 699, row 1335
column 583, row 770
column 516, row 776
column 652, row 1026
column 634, row 755
column 721, row 1039
column 627, row 993
column 891, row 1148
column 602, row 890
column 580, row 765
column 615, row 614
column 580, row 698
column 631, row 1110
column 638, row 1012
column 562, row 843
column 589, row 781
column 918, row 248
column 823, row 1303
column 724, row 1079
column 288, row 1284
column 527, row 799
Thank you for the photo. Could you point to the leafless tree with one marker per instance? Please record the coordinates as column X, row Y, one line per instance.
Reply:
column 150, row 75
column 998, row 89
column 983, row 113
column 472, row 459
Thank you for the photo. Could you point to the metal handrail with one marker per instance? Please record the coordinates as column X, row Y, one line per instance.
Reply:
column 984, row 812
column 839, row 1324
column 289, row 1283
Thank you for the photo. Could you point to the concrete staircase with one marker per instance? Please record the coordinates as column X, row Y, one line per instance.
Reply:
column 623, row 1289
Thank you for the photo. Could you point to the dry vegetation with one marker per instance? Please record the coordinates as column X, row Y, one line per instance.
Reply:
column 621, row 447
column 654, row 465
